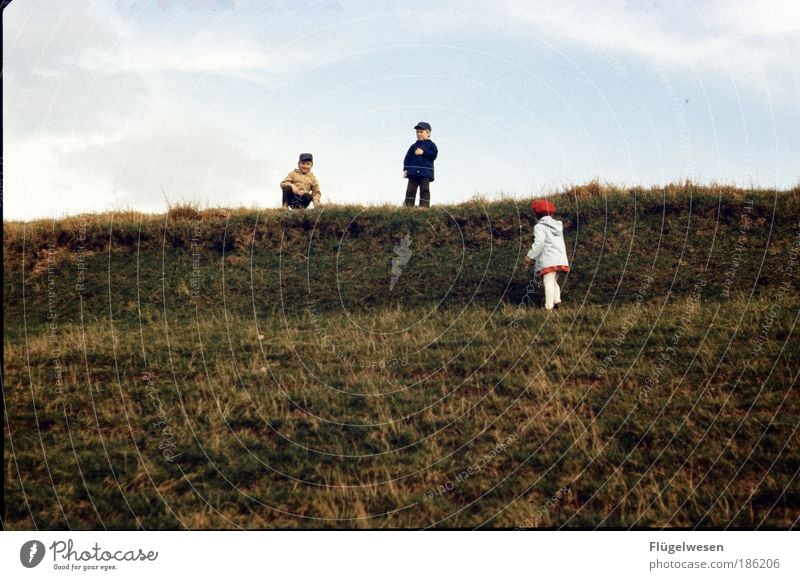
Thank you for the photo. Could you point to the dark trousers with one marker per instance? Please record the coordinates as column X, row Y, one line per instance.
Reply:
column 424, row 184
column 295, row 200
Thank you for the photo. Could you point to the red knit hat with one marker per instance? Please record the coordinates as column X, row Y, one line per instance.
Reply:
column 543, row 207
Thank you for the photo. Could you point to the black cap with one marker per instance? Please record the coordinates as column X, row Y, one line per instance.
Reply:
column 306, row 157
column 423, row 125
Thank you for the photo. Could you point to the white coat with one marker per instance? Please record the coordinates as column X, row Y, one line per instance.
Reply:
column 548, row 247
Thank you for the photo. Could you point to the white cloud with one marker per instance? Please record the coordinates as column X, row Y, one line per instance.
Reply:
column 46, row 93
column 85, row 129
column 202, row 164
column 180, row 157
column 764, row 19
column 190, row 55
column 132, row 97
column 39, row 183
column 742, row 38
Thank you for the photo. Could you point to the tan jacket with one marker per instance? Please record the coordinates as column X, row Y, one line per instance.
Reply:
column 306, row 183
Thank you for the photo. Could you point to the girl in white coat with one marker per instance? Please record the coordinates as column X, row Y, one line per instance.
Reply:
column 548, row 250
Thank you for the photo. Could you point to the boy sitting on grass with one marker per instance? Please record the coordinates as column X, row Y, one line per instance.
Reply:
column 301, row 187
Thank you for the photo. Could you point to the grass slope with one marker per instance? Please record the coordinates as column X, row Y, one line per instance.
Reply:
column 258, row 370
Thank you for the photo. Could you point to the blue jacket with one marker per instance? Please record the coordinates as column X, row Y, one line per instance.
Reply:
column 417, row 166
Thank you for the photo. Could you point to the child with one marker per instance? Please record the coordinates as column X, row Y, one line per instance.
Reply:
column 418, row 166
column 548, row 250
column 301, row 187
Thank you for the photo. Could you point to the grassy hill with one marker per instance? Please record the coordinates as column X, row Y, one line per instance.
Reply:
column 236, row 368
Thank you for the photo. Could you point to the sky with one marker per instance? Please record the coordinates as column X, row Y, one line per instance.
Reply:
column 116, row 105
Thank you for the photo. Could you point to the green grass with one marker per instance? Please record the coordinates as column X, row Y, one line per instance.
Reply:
column 235, row 368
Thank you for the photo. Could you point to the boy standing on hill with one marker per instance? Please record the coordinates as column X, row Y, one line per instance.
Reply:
column 301, row 187
column 548, row 250
column 418, row 166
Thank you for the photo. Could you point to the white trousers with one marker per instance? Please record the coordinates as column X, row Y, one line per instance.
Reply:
column 552, row 292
